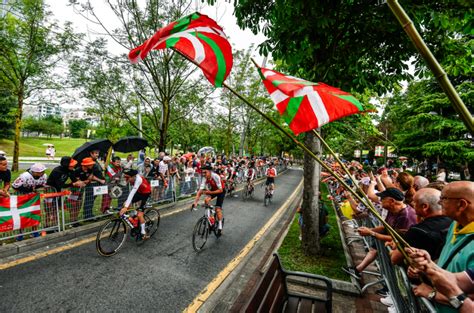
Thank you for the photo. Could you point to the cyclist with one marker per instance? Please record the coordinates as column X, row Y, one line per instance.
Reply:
column 250, row 175
column 212, row 187
column 271, row 173
column 141, row 191
column 231, row 174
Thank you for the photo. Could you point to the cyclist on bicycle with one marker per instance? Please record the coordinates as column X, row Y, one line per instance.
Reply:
column 212, row 187
column 271, row 173
column 250, row 175
column 141, row 191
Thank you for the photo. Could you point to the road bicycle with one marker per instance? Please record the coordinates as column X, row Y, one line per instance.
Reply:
column 113, row 233
column 205, row 225
column 268, row 195
column 230, row 187
column 247, row 192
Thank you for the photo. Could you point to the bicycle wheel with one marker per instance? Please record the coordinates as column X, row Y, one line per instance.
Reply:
column 152, row 221
column 111, row 237
column 200, row 234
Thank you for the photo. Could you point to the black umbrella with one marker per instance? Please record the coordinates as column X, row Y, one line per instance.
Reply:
column 83, row 151
column 130, row 144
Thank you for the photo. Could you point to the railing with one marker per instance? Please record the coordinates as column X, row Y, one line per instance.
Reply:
column 394, row 277
column 74, row 206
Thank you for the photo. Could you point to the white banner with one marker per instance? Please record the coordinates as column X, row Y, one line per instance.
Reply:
column 101, row 190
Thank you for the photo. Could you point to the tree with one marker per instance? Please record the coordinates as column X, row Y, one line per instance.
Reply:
column 353, row 45
column 29, row 49
column 77, row 128
column 117, row 88
column 7, row 118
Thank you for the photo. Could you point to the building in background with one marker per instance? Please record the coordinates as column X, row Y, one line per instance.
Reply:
column 42, row 110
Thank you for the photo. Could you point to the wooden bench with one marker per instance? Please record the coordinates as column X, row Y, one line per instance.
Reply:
column 272, row 295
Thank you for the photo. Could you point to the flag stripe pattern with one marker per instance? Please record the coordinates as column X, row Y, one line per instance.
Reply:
column 305, row 105
column 19, row 212
column 197, row 37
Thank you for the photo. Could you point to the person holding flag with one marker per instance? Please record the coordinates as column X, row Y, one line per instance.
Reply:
column 5, row 177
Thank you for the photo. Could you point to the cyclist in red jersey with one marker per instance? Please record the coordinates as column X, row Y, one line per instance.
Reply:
column 271, row 173
column 141, row 191
column 212, row 187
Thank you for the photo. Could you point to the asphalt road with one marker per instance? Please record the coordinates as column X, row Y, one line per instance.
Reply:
column 163, row 275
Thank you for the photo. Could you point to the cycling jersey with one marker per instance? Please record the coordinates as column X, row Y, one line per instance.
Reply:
column 212, row 184
column 250, row 174
column 140, row 187
column 271, row 172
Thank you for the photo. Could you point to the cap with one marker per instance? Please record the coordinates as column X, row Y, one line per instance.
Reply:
column 72, row 163
column 207, row 166
column 166, row 158
column 87, row 161
column 392, row 193
column 38, row 168
column 365, row 181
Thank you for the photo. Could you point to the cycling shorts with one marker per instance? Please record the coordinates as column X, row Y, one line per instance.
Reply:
column 140, row 197
column 270, row 180
column 220, row 199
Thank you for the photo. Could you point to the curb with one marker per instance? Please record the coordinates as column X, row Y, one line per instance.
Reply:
column 32, row 244
column 224, row 297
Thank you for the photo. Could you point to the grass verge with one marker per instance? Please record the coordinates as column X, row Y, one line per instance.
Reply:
column 331, row 258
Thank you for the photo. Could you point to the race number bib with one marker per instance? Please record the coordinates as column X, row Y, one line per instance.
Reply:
column 154, row 183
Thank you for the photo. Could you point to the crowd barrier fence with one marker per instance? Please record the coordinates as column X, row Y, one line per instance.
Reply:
column 74, row 206
column 392, row 276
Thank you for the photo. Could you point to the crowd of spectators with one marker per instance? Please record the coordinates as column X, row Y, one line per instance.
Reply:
column 180, row 172
column 434, row 217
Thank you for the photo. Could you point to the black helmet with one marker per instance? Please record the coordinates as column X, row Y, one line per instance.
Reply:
column 130, row 172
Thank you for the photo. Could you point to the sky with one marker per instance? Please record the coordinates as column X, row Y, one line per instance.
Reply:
column 221, row 12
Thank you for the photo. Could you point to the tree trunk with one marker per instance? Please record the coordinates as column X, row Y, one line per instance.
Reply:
column 16, row 145
column 310, row 205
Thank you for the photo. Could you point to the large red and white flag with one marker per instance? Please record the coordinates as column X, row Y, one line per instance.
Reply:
column 18, row 212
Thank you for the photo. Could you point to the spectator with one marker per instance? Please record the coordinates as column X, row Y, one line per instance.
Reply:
column 5, row 177
column 420, row 182
column 188, row 178
column 112, row 178
column 96, row 178
column 57, row 180
column 430, row 233
column 128, row 163
column 146, row 168
column 400, row 217
column 163, row 174
column 441, row 175
column 141, row 157
column 453, row 289
column 29, row 182
column 457, row 200
column 32, row 179
column 83, row 174
column 405, row 182
column 49, row 151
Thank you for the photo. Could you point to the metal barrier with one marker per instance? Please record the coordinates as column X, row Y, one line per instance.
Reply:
column 49, row 220
column 394, row 277
column 60, row 211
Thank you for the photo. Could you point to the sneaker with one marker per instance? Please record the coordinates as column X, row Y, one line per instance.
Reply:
column 382, row 292
column 219, row 233
column 351, row 270
column 388, row 301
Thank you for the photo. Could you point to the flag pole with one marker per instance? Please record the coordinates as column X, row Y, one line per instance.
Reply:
column 368, row 203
